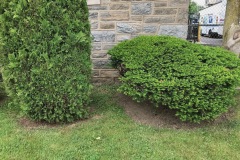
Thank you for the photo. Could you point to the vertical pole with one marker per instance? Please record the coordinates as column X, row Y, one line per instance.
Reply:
column 199, row 33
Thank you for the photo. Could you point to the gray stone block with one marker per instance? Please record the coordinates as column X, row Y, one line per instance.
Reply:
column 114, row 16
column 160, row 4
column 107, row 25
column 174, row 30
column 93, row 15
column 97, row 7
column 119, row 6
column 178, row 3
column 101, row 64
column 103, row 36
column 94, row 24
column 95, row 73
column 142, row 8
column 109, row 73
column 120, row 38
column 160, row 19
column 108, row 46
column 96, row 46
column 137, row 18
column 150, row 29
column 130, row 28
column 99, row 55
column 165, row 11
column 182, row 17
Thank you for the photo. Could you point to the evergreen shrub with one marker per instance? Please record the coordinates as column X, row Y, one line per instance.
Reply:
column 198, row 82
column 2, row 88
column 47, row 66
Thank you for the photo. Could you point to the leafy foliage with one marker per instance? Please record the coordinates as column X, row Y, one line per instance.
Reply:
column 197, row 81
column 47, row 66
column 2, row 88
column 194, row 8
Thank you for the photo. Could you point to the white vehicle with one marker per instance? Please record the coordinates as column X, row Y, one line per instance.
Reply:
column 213, row 15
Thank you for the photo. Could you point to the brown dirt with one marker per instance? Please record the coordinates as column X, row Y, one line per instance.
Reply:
column 162, row 117
column 30, row 124
column 143, row 113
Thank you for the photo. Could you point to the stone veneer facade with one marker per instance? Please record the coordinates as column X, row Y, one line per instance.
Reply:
column 113, row 21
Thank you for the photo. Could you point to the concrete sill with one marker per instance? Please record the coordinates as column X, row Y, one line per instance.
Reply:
column 93, row 2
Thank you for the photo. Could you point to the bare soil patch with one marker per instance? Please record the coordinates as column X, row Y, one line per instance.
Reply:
column 162, row 117
column 143, row 113
column 30, row 124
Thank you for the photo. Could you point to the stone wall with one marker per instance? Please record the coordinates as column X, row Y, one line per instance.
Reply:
column 113, row 21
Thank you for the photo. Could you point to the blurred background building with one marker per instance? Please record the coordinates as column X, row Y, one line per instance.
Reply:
column 209, row 3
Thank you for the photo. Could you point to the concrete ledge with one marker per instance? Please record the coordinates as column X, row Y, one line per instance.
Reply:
column 93, row 2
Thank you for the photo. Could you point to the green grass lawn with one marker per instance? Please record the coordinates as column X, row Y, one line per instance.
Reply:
column 111, row 134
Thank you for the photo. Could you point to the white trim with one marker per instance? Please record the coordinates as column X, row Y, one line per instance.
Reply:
column 92, row 2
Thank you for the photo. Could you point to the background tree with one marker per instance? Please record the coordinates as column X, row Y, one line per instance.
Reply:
column 194, row 8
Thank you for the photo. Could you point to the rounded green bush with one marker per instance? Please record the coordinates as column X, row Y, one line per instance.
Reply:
column 199, row 82
column 47, row 68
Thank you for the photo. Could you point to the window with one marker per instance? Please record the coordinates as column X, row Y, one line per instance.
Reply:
column 92, row 2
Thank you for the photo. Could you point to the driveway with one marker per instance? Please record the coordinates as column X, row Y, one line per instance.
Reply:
column 211, row 41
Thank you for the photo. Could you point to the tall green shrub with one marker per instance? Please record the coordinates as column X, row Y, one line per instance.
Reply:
column 2, row 88
column 199, row 82
column 47, row 49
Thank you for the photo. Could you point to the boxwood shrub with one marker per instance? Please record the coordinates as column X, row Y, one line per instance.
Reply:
column 198, row 82
column 47, row 66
